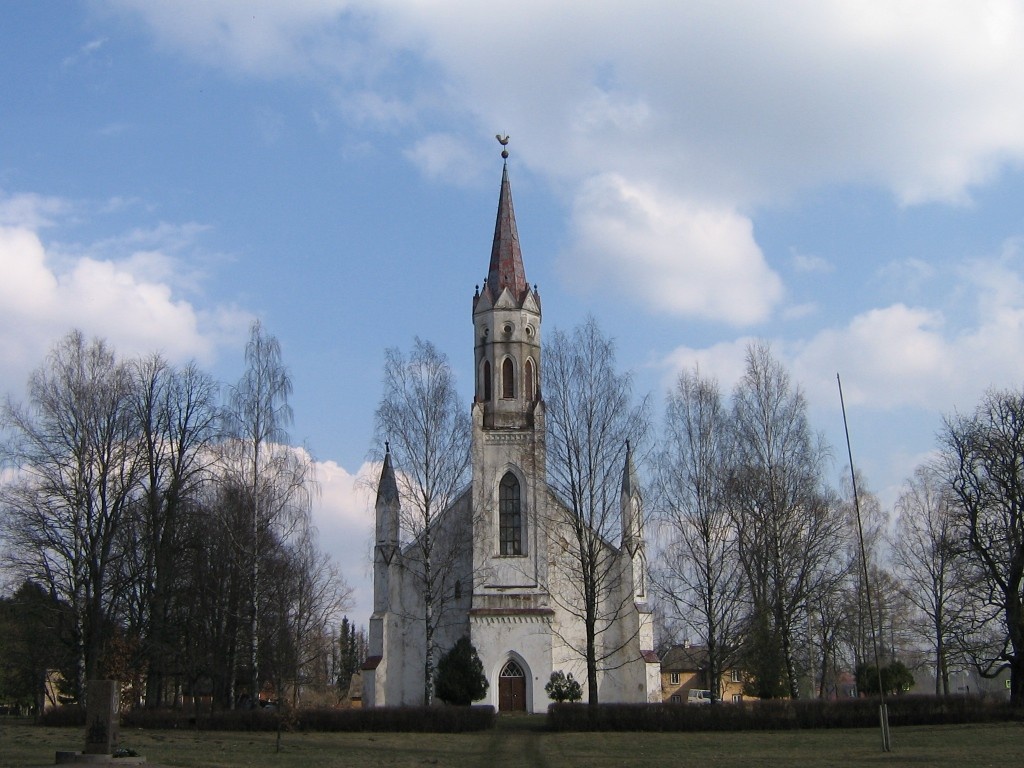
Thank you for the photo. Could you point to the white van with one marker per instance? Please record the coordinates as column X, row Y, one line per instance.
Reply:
column 698, row 696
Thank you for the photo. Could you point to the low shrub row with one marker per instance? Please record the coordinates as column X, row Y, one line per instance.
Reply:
column 410, row 719
column 779, row 714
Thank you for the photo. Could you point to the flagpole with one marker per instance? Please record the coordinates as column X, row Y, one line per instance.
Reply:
column 883, row 712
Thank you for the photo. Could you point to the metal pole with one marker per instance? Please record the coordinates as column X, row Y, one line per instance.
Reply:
column 883, row 711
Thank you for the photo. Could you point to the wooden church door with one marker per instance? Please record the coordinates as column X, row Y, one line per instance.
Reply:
column 512, row 688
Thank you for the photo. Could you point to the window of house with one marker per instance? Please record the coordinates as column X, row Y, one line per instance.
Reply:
column 737, row 698
column 676, row 699
column 674, row 678
column 510, row 516
column 734, row 675
column 487, row 381
column 508, row 389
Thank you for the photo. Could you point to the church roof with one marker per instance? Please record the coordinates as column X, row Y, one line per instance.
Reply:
column 506, row 267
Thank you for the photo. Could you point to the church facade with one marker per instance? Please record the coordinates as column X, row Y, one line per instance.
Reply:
column 506, row 580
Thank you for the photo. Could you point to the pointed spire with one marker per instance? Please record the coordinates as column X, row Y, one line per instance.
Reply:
column 631, row 509
column 506, row 269
column 387, row 488
column 630, row 485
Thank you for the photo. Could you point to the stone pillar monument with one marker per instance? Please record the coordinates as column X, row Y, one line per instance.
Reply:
column 102, row 728
column 102, row 725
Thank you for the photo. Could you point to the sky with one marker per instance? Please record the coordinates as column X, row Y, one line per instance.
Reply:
column 844, row 180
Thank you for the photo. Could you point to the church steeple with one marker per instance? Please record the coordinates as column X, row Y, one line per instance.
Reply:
column 507, row 315
column 506, row 267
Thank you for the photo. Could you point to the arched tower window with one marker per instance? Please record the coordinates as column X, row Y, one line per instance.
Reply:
column 510, row 516
column 508, row 388
column 487, row 381
column 528, row 385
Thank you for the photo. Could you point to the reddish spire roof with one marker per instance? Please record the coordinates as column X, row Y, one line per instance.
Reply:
column 506, row 270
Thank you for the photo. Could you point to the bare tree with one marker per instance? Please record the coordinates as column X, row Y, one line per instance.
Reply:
column 425, row 424
column 699, row 571
column 789, row 531
column 176, row 412
column 76, row 446
column 983, row 462
column 272, row 482
column 925, row 556
column 590, row 421
column 318, row 595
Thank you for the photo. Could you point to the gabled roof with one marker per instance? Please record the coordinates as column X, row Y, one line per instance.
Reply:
column 684, row 658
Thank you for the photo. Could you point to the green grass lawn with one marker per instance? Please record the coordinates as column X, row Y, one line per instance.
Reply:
column 521, row 742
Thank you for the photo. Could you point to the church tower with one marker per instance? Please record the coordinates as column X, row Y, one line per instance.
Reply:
column 510, row 550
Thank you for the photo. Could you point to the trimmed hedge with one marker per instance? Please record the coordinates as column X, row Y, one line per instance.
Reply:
column 66, row 715
column 406, row 719
column 778, row 714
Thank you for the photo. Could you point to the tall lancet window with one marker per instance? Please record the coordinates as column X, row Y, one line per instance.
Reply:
column 486, row 375
column 529, row 388
column 508, row 382
column 510, row 516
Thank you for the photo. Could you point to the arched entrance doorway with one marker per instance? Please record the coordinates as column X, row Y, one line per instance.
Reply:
column 511, row 688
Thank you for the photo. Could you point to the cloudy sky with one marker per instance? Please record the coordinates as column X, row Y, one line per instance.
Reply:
column 842, row 179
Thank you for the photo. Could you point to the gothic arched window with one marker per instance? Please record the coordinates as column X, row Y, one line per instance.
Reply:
column 510, row 516
column 512, row 669
column 486, row 375
column 508, row 388
column 528, row 387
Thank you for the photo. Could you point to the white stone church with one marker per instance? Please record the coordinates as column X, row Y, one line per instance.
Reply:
column 505, row 585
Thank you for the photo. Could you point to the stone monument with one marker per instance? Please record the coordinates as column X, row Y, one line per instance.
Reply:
column 102, row 724
column 102, row 728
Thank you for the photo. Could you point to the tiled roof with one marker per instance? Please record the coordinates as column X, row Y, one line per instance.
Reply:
column 506, row 268
column 681, row 658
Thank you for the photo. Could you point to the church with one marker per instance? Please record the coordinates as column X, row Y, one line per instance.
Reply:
column 506, row 583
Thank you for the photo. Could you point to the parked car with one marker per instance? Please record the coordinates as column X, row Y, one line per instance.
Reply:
column 698, row 696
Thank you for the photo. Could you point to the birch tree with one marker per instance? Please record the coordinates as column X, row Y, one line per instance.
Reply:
column 926, row 559
column 590, row 420
column 699, row 573
column 272, row 482
column 789, row 532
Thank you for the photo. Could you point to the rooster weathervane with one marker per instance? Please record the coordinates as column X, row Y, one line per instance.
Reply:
column 503, row 140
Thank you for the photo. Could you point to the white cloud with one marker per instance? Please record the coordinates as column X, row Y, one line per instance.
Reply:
column 808, row 262
column 673, row 255
column 128, row 295
column 263, row 37
column 724, row 362
column 659, row 104
column 31, row 210
column 344, row 517
column 902, row 356
column 444, row 156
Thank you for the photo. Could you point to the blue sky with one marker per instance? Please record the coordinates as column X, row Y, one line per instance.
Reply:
column 841, row 179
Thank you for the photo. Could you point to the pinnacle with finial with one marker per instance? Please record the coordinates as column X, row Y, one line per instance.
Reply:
column 503, row 140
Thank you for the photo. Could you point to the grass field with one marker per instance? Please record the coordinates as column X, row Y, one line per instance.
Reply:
column 523, row 742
